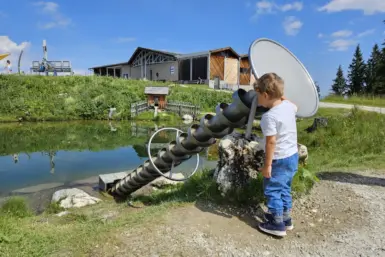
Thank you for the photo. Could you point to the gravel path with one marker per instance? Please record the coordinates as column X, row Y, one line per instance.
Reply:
column 350, row 106
column 343, row 216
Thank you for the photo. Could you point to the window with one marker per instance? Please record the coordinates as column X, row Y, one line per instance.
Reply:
column 244, row 70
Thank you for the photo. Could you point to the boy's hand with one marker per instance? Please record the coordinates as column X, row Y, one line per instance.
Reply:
column 266, row 171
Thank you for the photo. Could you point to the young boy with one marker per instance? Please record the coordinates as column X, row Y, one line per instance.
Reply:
column 281, row 152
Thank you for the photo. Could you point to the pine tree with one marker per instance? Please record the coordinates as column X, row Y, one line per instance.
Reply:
column 318, row 89
column 356, row 73
column 380, row 85
column 339, row 85
column 372, row 70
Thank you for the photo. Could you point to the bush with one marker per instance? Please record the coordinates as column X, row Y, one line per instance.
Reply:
column 16, row 207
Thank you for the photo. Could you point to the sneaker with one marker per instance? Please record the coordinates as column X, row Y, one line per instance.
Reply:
column 276, row 229
column 288, row 223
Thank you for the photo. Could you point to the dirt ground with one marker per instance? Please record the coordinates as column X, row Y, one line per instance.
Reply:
column 343, row 216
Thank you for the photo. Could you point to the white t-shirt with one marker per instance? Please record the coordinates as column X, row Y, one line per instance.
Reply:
column 9, row 68
column 281, row 121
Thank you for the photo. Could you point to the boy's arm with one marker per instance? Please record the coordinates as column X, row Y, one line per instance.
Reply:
column 269, row 130
column 270, row 148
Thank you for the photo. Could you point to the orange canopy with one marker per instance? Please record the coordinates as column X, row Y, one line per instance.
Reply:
column 2, row 56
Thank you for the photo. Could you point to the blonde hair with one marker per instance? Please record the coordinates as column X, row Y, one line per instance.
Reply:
column 271, row 84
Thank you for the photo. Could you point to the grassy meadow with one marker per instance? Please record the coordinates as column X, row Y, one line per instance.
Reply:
column 357, row 100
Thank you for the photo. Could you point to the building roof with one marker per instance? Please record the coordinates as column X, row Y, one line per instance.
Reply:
column 152, row 50
column 244, row 56
column 109, row 65
column 224, row 49
column 175, row 55
column 197, row 54
column 156, row 90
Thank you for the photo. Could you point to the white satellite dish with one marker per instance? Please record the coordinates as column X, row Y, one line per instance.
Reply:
column 265, row 56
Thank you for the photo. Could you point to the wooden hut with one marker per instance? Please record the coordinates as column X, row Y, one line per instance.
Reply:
column 156, row 96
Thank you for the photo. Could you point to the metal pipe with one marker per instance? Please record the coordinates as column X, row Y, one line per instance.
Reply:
column 195, row 140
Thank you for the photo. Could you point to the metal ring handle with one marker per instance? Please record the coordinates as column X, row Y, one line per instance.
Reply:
column 156, row 168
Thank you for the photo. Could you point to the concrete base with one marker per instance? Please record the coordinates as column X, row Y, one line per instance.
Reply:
column 106, row 180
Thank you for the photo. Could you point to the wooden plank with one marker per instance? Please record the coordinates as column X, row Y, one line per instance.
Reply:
column 231, row 71
column 217, row 67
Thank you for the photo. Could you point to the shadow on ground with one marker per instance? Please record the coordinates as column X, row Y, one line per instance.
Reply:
column 351, row 178
column 251, row 216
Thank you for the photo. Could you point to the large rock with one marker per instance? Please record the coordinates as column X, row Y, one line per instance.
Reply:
column 70, row 198
column 239, row 160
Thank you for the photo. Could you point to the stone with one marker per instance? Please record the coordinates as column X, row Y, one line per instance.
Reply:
column 73, row 198
column 162, row 181
column 187, row 117
column 63, row 213
column 302, row 153
column 318, row 122
column 239, row 161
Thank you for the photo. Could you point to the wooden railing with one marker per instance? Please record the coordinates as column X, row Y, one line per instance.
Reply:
column 138, row 107
column 183, row 108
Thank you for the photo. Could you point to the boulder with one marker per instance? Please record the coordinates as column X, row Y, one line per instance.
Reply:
column 239, row 161
column 73, row 198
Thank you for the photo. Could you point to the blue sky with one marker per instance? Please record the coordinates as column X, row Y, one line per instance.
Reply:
column 322, row 33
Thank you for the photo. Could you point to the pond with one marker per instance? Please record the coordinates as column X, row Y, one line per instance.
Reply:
column 33, row 154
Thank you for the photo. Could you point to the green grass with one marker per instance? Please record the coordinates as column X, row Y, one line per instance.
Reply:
column 358, row 100
column 15, row 207
column 353, row 139
column 42, row 98
column 76, row 234
column 162, row 116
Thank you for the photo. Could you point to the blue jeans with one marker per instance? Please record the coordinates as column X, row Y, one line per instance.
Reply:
column 277, row 188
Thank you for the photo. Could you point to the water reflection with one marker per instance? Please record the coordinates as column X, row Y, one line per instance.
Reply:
column 63, row 152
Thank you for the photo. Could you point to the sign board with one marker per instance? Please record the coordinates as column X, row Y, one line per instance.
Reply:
column 172, row 70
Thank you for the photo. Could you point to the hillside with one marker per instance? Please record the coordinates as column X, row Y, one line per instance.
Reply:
column 37, row 98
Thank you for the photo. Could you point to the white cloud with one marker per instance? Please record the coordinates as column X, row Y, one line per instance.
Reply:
column 368, row 7
column 8, row 46
column 264, row 7
column 296, row 6
column 366, row 33
column 51, row 10
column 320, row 35
column 341, row 44
column 342, row 33
column 292, row 25
column 125, row 39
column 269, row 7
